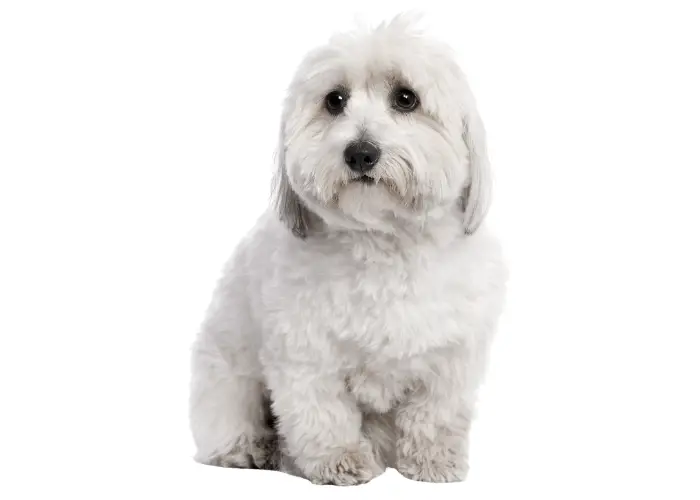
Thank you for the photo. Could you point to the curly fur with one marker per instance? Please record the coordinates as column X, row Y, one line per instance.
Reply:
column 349, row 331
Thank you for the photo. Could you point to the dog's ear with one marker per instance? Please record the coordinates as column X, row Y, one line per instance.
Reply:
column 476, row 197
column 289, row 207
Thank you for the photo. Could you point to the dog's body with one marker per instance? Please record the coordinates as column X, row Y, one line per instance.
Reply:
column 350, row 329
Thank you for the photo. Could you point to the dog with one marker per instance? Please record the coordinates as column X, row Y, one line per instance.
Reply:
column 350, row 330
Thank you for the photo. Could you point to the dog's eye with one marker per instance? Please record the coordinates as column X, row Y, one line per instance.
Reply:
column 404, row 100
column 336, row 102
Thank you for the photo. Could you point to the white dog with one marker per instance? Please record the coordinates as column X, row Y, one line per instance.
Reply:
column 350, row 329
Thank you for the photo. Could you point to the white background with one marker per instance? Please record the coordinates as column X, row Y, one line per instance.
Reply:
column 136, row 145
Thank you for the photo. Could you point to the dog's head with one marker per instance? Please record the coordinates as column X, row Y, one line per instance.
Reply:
column 380, row 127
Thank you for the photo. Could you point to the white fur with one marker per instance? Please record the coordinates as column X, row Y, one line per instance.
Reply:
column 362, row 312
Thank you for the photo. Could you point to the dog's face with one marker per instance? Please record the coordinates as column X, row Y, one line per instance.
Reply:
column 379, row 127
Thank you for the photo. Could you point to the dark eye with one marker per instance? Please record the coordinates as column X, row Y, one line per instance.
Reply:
column 404, row 100
column 336, row 102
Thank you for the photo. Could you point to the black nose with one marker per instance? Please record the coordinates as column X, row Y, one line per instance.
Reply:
column 361, row 156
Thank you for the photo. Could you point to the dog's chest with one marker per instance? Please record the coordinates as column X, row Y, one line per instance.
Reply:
column 387, row 305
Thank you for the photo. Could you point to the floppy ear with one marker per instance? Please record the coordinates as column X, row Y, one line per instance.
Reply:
column 290, row 209
column 476, row 197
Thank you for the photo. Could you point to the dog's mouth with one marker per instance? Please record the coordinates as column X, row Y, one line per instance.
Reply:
column 365, row 179
column 368, row 180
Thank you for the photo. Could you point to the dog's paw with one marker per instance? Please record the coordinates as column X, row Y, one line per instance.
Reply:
column 266, row 452
column 422, row 467
column 346, row 469
column 237, row 457
column 260, row 453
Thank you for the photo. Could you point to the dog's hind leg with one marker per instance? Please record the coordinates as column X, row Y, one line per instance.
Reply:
column 229, row 413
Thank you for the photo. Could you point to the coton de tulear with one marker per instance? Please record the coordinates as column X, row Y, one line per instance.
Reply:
column 350, row 329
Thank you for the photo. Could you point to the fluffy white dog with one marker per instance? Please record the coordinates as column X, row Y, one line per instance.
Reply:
column 350, row 329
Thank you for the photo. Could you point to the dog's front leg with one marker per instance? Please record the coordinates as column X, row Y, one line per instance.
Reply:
column 321, row 427
column 433, row 428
